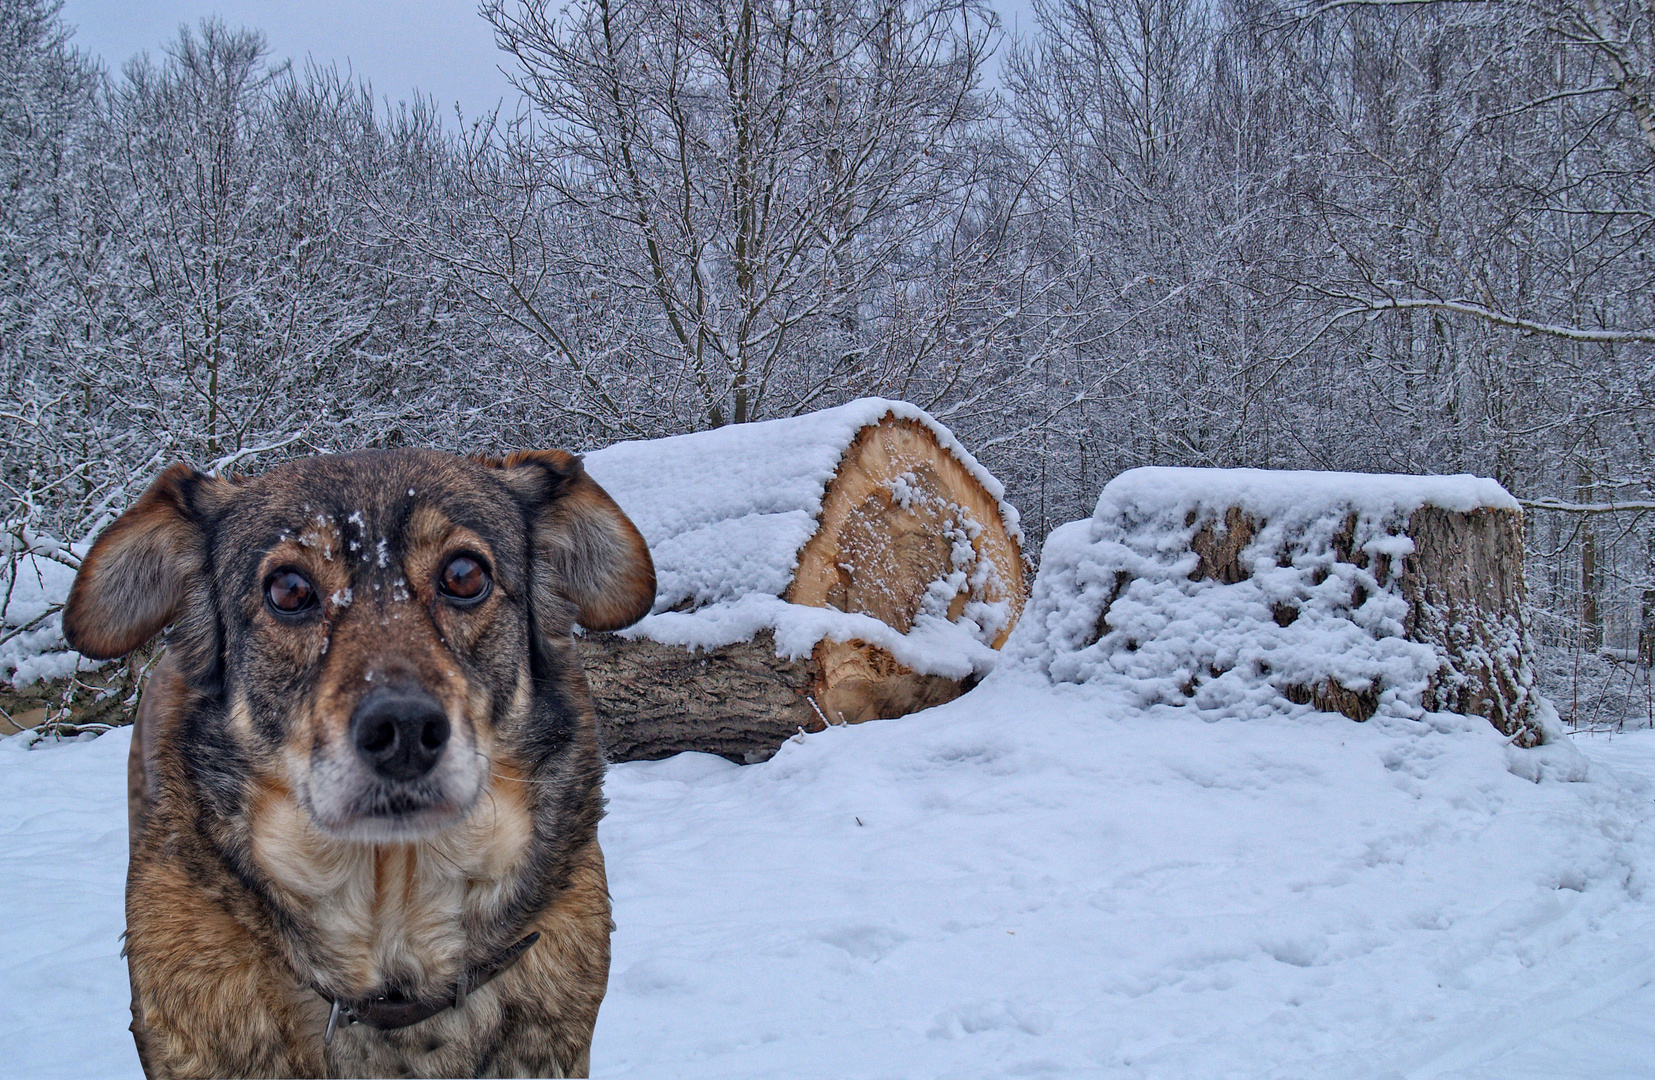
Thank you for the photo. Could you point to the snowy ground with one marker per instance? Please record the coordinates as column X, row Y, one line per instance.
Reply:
column 1028, row 881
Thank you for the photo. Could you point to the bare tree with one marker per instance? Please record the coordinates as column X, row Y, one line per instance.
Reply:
column 54, row 450
column 766, row 185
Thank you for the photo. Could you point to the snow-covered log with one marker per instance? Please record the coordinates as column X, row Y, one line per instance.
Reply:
column 1228, row 590
column 851, row 564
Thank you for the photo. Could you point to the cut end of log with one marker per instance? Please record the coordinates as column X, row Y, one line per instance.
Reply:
column 904, row 530
column 856, row 681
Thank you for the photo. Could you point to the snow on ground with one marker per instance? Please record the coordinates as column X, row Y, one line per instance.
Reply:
column 63, row 991
column 1040, row 887
column 1041, row 878
column 1040, row 884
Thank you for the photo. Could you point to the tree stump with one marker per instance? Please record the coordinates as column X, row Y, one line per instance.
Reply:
column 1465, row 591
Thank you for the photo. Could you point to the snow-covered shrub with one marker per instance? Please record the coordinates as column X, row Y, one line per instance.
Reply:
column 33, row 586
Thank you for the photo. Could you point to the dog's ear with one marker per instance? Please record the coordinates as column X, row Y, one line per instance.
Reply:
column 585, row 547
column 140, row 571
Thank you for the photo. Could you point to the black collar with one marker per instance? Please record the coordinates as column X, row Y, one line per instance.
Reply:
column 391, row 1009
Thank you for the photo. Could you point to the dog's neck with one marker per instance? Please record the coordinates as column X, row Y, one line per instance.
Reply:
column 364, row 916
column 393, row 1009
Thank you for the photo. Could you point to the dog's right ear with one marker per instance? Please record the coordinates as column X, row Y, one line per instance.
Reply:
column 137, row 577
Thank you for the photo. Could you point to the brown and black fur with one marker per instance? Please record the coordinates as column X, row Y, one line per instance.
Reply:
column 266, row 860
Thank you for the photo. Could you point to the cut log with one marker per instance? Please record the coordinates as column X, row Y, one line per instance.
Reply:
column 849, row 565
column 743, row 699
column 1349, row 593
column 1465, row 590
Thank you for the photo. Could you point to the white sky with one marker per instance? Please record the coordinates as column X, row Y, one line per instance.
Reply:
column 442, row 47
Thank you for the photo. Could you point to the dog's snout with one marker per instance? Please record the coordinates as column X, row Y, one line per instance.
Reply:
column 400, row 732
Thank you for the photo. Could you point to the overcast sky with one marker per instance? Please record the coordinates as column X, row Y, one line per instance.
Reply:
column 442, row 47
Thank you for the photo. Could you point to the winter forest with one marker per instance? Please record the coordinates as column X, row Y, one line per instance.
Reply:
column 1374, row 235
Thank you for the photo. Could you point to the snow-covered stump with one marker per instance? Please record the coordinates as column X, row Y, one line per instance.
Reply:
column 853, row 564
column 1344, row 592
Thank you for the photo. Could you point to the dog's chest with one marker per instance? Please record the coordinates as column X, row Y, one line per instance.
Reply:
column 449, row 1044
column 373, row 913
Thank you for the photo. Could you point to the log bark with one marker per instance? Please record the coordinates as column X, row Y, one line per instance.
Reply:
column 1465, row 589
column 739, row 701
column 1219, row 551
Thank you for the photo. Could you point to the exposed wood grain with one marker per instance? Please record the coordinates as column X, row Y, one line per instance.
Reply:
column 893, row 524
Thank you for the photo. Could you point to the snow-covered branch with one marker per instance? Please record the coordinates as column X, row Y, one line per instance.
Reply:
column 1564, row 506
column 1498, row 318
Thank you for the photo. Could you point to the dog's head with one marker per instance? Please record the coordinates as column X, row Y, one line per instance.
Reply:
column 368, row 627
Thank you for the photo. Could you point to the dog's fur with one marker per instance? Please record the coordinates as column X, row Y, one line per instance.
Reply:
column 267, row 860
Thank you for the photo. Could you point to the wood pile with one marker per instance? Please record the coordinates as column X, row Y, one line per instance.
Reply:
column 1227, row 590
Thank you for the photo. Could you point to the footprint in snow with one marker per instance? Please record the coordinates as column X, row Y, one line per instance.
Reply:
column 871, row 943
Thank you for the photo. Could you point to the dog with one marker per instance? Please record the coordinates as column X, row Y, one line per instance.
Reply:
column 365, row 779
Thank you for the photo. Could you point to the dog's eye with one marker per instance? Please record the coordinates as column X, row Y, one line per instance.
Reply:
column 464, row 579
column 289, row 593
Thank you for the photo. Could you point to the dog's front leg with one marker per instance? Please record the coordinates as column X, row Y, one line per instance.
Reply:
column 209, row 999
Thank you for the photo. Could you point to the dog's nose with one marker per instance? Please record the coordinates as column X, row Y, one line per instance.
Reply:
column 400, row 732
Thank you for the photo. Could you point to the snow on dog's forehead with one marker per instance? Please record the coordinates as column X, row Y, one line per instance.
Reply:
column 1154, row 491
column 674, row 485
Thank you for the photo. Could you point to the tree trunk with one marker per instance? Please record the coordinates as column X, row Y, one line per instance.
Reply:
column 1646, row 621
column 1591, row 617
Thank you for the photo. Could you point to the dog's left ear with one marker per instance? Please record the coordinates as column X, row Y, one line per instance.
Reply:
column 585, row 547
